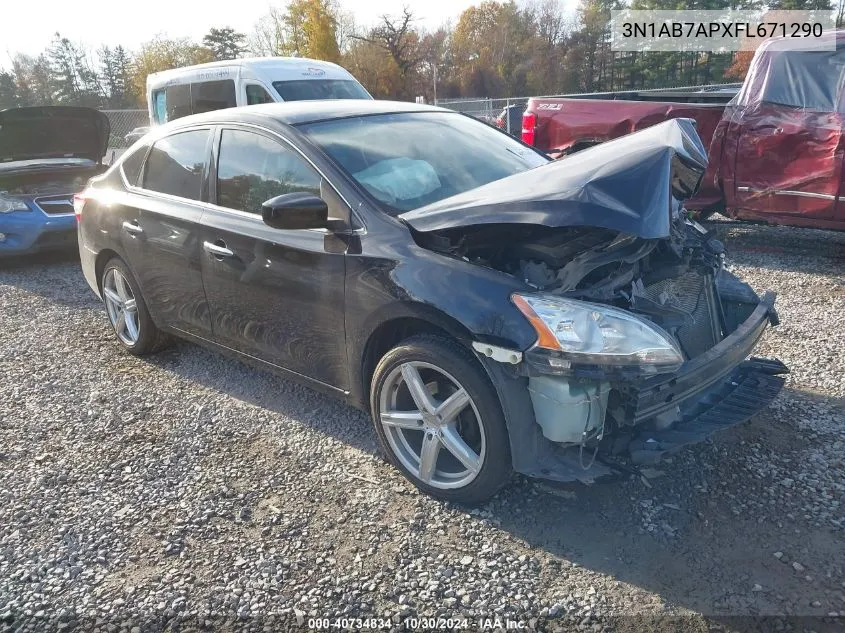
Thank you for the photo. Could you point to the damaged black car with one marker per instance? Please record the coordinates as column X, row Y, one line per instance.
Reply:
column 493, row 311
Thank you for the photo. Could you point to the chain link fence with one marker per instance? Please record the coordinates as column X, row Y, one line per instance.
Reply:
column 492, row 111
column 123, row 122
column 506, row 113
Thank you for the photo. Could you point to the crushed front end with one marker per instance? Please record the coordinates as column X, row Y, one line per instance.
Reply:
column 599, row 411
column 640, row 410
column 643, row 337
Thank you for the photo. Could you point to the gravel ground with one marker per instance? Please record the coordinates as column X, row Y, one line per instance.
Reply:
column 188, row 489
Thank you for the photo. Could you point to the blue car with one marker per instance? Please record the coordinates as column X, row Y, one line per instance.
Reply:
column 47, row 154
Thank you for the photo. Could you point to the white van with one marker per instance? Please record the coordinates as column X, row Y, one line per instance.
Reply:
column 175, row 93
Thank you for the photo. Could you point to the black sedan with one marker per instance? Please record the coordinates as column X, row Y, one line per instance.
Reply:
column 494, row 311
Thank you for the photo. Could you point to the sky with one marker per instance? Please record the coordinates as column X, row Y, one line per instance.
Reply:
column 28, row 27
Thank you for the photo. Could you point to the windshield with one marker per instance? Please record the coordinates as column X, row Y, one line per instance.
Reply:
column 312, row 89
column 409, row 160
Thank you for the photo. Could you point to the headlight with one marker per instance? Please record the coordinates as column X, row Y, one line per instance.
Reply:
column 9, row 204
column 589, row 333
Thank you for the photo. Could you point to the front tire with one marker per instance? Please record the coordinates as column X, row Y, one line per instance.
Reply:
column 438, row 419
column 127, row 311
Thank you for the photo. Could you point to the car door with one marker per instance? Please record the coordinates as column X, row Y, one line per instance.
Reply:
column 276, row 295
column 162, row 226
column 789, row 151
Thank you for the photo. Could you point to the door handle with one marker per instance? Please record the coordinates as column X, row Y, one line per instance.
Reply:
column 216, row 249
column 132, row 228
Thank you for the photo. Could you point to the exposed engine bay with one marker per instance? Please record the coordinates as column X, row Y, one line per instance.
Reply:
column 670, row 281
column 57, row 180
column 677, row 282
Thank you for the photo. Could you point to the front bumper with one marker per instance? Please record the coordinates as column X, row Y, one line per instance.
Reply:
column 695, row 378
column 35, row 231
column 712, row 392
column 750, row 388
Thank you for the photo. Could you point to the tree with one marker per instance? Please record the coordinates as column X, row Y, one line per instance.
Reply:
column 225, row 43
column 307, row 28
column 396, row 37
column 33, row 78
column 8, row 90
column 116, row 77
column 269, row 36
column 492, row 48
column 72, row 77
column 320, row 29
column 162, row 53
column 374, row 69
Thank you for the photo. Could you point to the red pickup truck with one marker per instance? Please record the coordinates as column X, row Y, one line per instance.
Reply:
column 776, row 149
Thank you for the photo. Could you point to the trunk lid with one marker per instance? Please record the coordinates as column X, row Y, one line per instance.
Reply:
column 49, row 132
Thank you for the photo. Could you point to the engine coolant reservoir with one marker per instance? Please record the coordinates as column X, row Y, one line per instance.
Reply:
column 565, row 408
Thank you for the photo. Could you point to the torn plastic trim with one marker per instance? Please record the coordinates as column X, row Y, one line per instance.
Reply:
column 499, row 354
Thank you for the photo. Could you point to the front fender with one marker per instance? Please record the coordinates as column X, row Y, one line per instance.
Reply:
column 467, row 301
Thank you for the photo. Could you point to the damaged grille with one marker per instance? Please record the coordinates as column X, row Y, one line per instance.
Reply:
column 694, row 294
column 55, row 205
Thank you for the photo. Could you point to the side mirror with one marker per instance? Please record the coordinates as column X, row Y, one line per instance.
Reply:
column 296, row 211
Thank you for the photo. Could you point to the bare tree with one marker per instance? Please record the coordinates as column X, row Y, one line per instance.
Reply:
column 397, row 37
column 269, row 36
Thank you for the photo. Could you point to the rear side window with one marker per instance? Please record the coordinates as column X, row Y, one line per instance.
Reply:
column 255, row 94
column 177, row 101
column 176, row 164
column 811, row 80
column 132, row 164
column 253, row 168
column 212, row 95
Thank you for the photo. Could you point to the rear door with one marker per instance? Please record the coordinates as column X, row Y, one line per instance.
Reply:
column 162, row 228
column 789, row 150
column 276, row 295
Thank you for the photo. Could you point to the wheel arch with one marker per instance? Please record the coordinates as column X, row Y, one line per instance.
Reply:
column 103, row 258
column 394, row 327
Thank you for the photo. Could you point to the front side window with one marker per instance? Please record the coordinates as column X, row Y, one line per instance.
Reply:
column 409, row 160
column 207, row 96
column 255, row 94
column 253, row 168
column 176, row 164
column 311, row 89
column 159, row 106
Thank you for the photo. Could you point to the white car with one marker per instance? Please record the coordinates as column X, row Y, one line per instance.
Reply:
column 172, row 94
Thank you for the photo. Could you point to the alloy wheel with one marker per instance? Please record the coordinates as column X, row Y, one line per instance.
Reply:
column 121, row 307
column 432, row 425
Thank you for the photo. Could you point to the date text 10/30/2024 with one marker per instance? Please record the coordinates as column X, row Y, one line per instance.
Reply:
column 417, row 624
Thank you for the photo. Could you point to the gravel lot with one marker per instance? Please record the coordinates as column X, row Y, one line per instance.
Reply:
column 189, row 489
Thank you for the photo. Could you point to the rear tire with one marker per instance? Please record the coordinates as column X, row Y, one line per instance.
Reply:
column 438, row 418
column 127, row 311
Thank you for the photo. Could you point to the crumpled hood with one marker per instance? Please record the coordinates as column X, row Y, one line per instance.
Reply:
column 53, row 132
column 630, row 185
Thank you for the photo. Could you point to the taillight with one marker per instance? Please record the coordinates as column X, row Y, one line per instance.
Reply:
column 79, row 201
column 529, row 126
column 500, row 123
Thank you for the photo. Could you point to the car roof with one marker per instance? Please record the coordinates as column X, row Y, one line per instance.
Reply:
column 268, row 68
column 298, row 112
